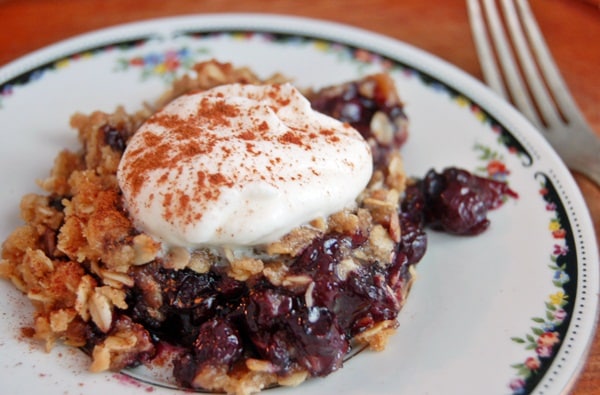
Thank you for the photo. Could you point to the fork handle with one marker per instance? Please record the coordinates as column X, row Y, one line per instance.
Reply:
column 586, row 160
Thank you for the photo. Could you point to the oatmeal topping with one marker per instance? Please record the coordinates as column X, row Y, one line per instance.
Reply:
column 240, row 165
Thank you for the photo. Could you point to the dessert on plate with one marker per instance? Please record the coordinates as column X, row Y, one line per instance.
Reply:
column 253, row 232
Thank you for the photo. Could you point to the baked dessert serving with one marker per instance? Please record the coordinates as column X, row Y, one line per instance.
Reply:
column 253, row 233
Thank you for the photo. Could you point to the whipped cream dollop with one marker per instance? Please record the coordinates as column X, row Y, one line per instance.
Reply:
column 239, row 165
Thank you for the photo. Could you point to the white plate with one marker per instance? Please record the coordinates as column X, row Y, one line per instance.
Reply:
column 512, row 310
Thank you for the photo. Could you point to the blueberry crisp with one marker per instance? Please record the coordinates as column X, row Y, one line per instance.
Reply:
column 254, row 232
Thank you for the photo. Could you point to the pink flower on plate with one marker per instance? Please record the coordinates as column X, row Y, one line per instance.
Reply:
column 560, row 315
column 560, row 250
column 544, row 351
column 172, row 64
column 548, row 339
column 387, row 64
column 517, row 384
column 496, row 167
column 362, row 55
column 532, row 363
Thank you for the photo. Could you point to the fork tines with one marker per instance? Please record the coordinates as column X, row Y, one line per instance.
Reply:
column 528, row 77
column 533, row 83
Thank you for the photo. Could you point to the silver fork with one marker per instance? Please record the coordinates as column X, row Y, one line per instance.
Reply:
column 536, row 88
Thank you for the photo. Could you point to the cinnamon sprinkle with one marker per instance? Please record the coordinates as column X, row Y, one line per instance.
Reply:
column 174, row 142
column 292, row 138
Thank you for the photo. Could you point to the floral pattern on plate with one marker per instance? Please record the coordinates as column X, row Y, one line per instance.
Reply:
column 7, row 88
column 546, row 334
column 166, row 65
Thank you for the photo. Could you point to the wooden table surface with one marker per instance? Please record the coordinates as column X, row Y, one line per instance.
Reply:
column 571, row 28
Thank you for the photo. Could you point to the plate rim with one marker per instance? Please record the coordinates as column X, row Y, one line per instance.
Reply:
column 439, row 68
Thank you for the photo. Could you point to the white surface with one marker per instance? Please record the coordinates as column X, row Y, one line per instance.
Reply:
column 472, row 295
